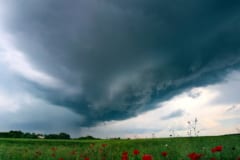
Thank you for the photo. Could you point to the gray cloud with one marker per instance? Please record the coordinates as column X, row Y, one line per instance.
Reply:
column 233, row 108
column 21, row 111
column 175, row 114
column 194, row 94
column 123, row 57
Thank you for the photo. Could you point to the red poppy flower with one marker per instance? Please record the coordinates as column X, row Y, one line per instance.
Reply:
column 125, row 156
column 136, row 152
column 238, row 158
column 125, row 153
column 194, row 156
column 164, row 154
column 216, row 149
column 86, row 158
column 147, row 157
column 60, row 159
column 213, row 150
column 213, row 159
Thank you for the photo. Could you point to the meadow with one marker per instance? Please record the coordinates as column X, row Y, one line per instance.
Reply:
column 185, row 148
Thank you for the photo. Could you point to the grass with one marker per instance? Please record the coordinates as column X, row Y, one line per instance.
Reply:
column 177, row 148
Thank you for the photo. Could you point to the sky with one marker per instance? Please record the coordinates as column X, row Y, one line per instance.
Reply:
column 120, row 68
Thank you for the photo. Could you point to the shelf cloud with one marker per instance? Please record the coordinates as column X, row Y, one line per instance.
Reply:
column 112, row 60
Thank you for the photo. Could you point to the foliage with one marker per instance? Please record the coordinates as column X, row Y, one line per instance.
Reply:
column 17, row 134
column 58, row 136
column 20, row 134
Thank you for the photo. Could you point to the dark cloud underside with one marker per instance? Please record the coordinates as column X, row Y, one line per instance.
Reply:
column 124, row 56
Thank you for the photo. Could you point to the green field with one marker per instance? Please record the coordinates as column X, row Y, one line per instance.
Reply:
column 176, row 148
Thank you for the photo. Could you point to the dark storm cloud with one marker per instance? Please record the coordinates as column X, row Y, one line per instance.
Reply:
column 123, row 56
column 174, row 114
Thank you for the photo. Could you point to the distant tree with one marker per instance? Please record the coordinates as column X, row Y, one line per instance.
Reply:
column 20, row 134
column 64, row 136
column 16, row 134
column 115, row 138
column 51, row 136
column 58, row 136
column 30, row 135
column 4, row 135
column 88, row 137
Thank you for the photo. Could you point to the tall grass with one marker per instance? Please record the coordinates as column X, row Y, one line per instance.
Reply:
column 176, row 148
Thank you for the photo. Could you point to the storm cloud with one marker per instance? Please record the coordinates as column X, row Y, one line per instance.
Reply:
column 117, row 59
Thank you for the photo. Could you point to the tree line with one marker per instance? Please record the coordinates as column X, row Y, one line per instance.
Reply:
column 62, row 135
column 20, row 134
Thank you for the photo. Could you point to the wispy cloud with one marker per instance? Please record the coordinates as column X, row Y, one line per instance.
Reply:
column 174, row 114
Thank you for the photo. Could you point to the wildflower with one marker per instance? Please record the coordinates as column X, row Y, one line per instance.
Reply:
column 136, row 152
column 125, row 153
column 194, row 156
column 86, row 158
column 147, row 157
column 213, row 150
column 213, row 159
column 164, row 154
column 216, row 149
column 125, row 156
column 53, row 149
column 60, row 159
